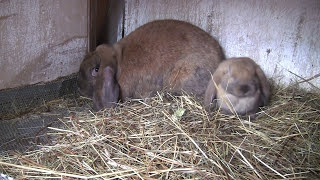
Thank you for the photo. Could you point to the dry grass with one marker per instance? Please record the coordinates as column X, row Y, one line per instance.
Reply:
column 168, row 137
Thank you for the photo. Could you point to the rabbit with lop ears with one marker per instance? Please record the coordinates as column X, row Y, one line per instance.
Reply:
column 238, row 86
column 89, row 69
column 164, row 54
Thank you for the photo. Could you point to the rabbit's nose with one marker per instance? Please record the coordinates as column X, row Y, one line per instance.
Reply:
column 244, row 89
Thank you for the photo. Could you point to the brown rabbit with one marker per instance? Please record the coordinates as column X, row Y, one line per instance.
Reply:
column 163, row 54
column 89, row 70
column 239, row 85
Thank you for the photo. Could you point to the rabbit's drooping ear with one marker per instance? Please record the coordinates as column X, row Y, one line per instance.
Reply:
column 210, row 94
column 211, row 91
column 118, row 52
column 106, row 92
column 265, row 87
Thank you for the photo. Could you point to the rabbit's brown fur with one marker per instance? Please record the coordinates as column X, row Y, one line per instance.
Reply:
column 163, row 54
column 238, row 85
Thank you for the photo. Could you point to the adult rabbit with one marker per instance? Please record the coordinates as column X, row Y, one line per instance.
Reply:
column 163, row 54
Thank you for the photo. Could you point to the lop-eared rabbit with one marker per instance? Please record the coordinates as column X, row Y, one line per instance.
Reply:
column 238, row 86
column 163, row 54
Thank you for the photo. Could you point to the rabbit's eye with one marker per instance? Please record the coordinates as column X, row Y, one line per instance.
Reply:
column 244, row 88
column 94, row 71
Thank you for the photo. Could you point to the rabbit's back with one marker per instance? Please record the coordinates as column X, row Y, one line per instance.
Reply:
column 167, row 54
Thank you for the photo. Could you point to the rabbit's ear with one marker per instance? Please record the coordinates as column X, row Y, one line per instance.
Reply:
column 102, row 47
column 210, row 94
column 118, row 51
column 215, row 80
column 117, row 56
column 106, row 90
column 265, row 87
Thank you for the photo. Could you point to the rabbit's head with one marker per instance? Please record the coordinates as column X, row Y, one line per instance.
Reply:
column 102, row 57
column 242, row 81
column 88, row 72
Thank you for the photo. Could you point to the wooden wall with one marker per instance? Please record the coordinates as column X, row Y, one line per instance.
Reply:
column 41, row 40
column 282, row 36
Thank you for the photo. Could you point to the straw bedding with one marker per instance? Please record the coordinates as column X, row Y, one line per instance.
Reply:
column 173, row 137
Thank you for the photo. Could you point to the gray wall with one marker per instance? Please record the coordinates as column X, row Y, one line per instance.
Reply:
column 280, row 35
column 41, row 40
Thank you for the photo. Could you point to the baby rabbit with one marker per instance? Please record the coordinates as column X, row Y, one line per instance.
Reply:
column 238, row 85
column 163, row 54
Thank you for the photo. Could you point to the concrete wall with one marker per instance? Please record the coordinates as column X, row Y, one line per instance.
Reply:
column 41, row 40
column 282, row 36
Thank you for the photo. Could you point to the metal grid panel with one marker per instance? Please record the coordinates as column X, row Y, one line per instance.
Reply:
column 15, row 102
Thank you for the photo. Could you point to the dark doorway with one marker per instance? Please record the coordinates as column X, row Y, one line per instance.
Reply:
column 105, row 23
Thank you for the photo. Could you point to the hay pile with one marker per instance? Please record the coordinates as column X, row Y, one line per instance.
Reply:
column 169, row 137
